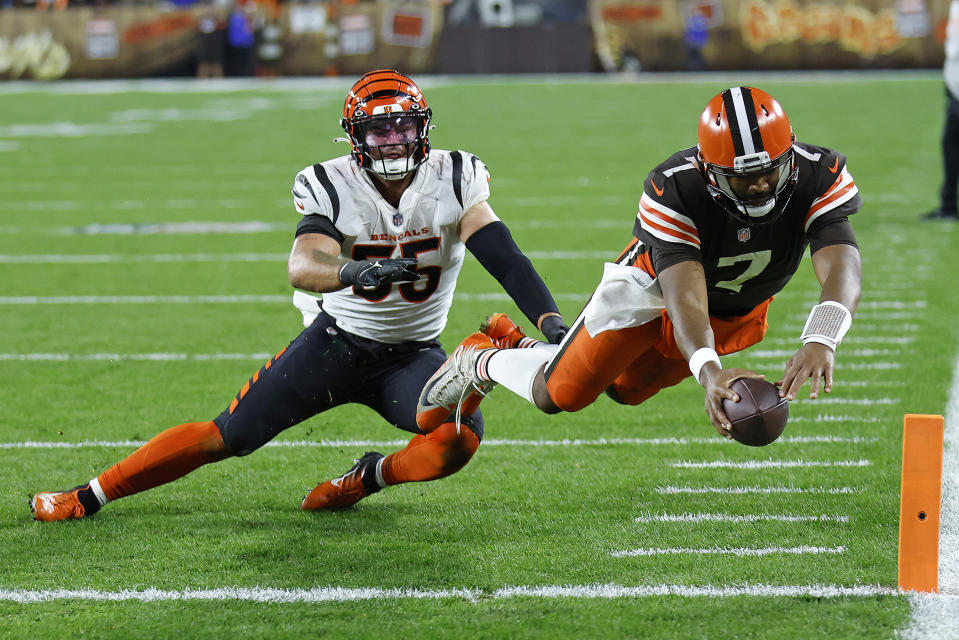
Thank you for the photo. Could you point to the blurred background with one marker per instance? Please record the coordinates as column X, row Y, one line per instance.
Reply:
column 52, row 39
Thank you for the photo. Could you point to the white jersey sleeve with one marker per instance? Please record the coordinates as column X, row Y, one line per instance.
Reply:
column 470, row 179
column 313, row 193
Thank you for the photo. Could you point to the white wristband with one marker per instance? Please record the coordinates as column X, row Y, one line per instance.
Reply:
column 700, row 357
column 827, row 324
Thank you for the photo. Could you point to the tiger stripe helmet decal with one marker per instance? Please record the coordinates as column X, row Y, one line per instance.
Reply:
column 381, row 98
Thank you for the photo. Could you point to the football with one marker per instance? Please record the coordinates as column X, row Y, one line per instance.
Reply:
column 760, row 415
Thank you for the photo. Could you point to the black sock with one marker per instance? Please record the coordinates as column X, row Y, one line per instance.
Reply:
column 88, row 499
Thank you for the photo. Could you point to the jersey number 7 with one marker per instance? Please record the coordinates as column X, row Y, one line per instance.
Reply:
column 757, row 260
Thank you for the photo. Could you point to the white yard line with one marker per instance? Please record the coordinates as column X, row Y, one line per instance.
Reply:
column 232, row 299
column 732, row 551
column 119, row 357
column 898, row 328
column 893, row 304
column 210, row 227
column 846, row 353
column 769, row 464
column 937, row 615
column 348, row 594
column 106, row 258
column 756, row 490
column 868, row 366
column 491, row 442
column 123, row 258
column 694, row 518
column 862, row 402
column 793, row 341
column 834, row 418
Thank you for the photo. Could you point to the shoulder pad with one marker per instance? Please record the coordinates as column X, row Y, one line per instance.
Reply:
column 467, row 168
column 314, row 193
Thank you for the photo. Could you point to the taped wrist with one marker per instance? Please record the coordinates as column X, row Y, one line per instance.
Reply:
column 828, row 322
column 699, row 358
column 496, row 250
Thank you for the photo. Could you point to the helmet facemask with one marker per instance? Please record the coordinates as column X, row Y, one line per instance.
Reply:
column 746, row 154
column 391, row 145
column 781, row 172
column 387, row 120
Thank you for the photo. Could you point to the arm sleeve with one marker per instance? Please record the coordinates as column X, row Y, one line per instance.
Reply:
column 495, row 249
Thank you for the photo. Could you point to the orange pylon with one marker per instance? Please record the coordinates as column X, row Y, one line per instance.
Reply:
column 922, row 438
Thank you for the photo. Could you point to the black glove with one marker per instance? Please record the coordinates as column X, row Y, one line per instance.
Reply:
column 554, row 329
column 366, row 273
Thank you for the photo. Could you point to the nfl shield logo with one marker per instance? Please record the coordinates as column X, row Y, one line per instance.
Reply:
column 743, row 234
column 398, row 219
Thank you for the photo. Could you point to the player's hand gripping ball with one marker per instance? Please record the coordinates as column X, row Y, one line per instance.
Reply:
column 760, row 415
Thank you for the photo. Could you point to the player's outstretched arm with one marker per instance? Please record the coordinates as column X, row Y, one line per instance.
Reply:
column 315, row 265
column 684, row 293
column 490, row 241
column 839, row 270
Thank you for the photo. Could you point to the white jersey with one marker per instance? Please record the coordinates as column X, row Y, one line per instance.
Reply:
column 425, row 227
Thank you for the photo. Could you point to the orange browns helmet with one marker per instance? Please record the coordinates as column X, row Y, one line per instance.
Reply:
column 380, row 101
column 744, row 133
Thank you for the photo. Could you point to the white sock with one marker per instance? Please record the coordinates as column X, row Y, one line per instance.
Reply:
column 98, row 492
column 533, row 343
column 379, row 473
column 516, row 369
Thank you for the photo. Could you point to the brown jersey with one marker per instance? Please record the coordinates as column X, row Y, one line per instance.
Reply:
column 744, row 264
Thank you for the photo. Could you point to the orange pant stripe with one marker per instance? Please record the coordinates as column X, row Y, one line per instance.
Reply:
column 252, row 381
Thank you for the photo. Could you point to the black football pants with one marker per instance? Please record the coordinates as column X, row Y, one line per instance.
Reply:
column 325, row 367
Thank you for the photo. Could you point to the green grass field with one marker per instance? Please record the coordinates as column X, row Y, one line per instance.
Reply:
column 127, row 310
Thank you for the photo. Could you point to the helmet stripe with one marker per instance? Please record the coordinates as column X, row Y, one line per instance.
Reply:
column 743, row 125
column 752, row 120
column 743, row 142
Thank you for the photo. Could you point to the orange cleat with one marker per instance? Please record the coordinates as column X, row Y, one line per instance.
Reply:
column 348, row 489
column 504, row 333
column 455, row 387
column 50, row 506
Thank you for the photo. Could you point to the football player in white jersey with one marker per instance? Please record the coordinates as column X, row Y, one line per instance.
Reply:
column 382, row 237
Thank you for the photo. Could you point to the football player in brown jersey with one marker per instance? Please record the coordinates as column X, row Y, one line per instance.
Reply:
column 721, row 228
